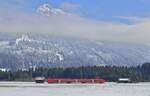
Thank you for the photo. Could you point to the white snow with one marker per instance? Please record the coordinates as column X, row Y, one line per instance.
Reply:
column 23, row 38
column 4, row 43
column 4, row 69
column 60, row 56
column 107, row 89
column 70, row 53
column 48, row 10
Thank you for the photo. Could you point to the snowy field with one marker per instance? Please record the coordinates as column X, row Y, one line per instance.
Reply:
column 107, row 89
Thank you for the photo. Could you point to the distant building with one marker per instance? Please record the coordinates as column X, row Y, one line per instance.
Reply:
column 39, row 79
column 124, row 80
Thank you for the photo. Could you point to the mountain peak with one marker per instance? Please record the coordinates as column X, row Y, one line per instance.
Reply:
column 22, row 38
column 48, row 10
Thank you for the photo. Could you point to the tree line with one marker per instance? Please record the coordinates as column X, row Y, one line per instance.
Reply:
column 109, row 73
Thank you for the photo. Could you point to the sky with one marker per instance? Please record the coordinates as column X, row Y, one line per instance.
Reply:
column 95, row 9
column 111, row 20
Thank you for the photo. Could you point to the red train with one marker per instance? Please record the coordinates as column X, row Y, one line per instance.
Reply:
column 50, row 80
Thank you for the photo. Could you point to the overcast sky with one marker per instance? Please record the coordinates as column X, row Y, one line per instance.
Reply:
column 111, row 20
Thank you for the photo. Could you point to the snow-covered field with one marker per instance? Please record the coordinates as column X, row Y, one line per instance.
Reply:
column 107, row 89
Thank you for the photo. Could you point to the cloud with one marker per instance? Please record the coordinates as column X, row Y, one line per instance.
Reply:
column 70, row 7
column 133, row 19
column 75, row 26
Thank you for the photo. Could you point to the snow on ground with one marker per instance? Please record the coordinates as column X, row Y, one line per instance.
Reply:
column 107, row 89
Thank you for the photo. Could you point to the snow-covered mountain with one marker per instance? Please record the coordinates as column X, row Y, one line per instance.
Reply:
column 34, row 50
column 47, row 10
column 25, row 51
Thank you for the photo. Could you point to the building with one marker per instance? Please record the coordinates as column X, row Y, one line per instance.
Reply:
column 124, row 80
column 39, row 79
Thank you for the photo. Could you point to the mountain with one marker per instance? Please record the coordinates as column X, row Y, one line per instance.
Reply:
column 47, row 10
column 29, row 51
column 23, row 51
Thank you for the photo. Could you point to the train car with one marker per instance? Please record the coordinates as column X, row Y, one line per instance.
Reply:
column 53, row 80
column 67, row 81
column 85, row 81
column 50, row 80
column 99, row 81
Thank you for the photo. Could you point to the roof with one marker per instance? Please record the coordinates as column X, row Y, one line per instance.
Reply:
column 124, row 79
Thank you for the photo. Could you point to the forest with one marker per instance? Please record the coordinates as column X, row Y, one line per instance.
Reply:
column 109, row 73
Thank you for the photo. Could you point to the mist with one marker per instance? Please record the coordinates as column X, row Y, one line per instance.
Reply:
column 75, row 26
